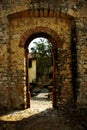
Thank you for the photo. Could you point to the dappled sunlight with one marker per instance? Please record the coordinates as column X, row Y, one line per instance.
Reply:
column 48, row 119
column 39, row 104
column 16, row 115
column 19, row 115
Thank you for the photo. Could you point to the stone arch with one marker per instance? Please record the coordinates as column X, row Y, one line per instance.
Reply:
column 49, row 33
column 53, row 37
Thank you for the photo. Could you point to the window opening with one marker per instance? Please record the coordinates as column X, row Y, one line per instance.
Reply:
column 30, row 63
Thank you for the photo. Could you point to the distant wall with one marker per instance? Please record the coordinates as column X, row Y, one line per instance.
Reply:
column 32, row 72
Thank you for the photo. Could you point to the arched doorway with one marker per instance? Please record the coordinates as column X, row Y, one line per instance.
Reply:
column 40, row 73
column 56, row 43
column 53, row 37
column 54, row 99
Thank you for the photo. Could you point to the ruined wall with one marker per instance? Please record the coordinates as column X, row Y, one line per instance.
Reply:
column 20, row 25
column 13, row 26
column 82, row 59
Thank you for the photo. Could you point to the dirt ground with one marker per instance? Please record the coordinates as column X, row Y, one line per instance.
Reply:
column 41, row 116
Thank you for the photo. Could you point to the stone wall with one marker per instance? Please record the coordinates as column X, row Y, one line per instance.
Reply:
column 82, row 59
column 66, row 18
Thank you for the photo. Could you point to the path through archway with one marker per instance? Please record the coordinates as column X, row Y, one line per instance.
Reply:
column 40, row 73
column 55, row 58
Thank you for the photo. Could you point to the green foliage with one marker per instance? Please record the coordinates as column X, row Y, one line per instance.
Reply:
column 43, row 52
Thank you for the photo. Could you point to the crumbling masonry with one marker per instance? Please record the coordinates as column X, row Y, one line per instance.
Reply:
column 64, row 23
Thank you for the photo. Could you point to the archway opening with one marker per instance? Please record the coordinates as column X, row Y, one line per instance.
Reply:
column 46, row 83
column 40, row 73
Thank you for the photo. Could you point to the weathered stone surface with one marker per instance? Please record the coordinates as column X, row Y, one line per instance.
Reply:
column 18, row 21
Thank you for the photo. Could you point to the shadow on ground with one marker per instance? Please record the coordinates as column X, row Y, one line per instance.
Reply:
column 50, row 119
